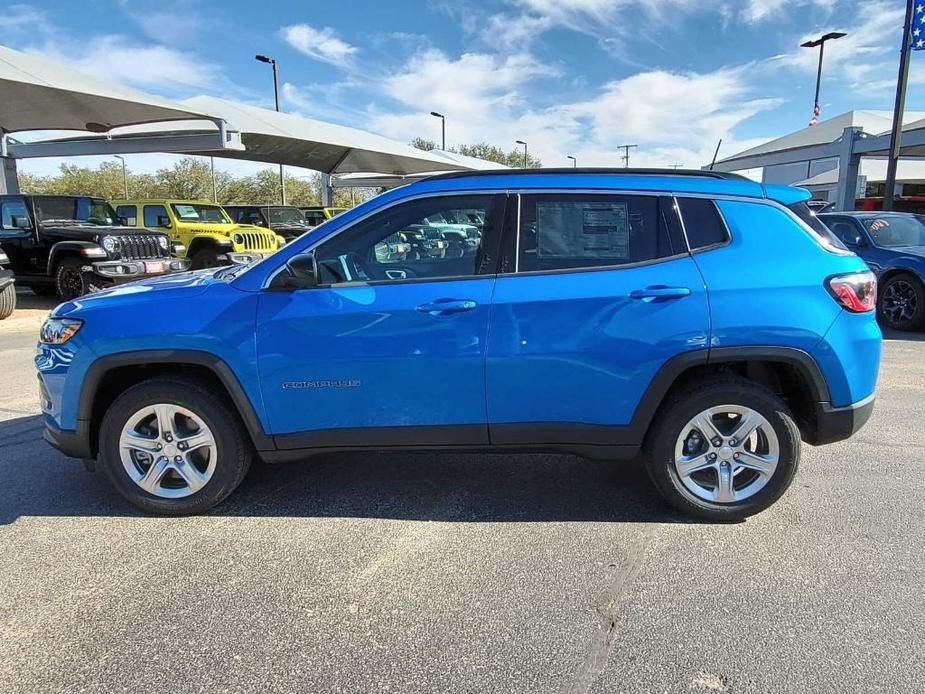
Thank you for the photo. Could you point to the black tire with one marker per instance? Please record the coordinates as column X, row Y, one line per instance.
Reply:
column 902, row 287
column 207, row 257
column 688, row 403
column 7, row 301
column 233, row 446
column 70, row 280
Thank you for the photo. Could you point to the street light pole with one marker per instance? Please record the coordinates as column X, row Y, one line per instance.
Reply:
column 821, row 43
column 574, row 160
column 442, row 129
column 124, row 175
column 272, row 62
column 521, row 142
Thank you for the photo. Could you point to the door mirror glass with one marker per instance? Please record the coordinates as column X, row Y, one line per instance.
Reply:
column 21, row 222
column 303, row 271
column 163, row 221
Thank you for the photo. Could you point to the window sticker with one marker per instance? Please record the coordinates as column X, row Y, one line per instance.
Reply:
column 187, row 211
column 582, row 230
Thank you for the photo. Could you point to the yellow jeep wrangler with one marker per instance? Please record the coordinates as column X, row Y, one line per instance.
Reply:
column 210, row 237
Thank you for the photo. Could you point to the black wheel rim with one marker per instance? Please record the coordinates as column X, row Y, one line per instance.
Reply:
column 70, row 282
column 899, row 302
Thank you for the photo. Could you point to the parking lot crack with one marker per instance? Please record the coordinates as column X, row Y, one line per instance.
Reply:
column 608, row 607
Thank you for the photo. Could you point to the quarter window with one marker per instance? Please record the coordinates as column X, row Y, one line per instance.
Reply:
column 702, row 223
column 155, row 215
column 423, row 239
column 13, row 208
column 581, row 231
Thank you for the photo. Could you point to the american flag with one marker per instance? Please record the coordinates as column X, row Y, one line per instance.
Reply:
column 816, row 111
column 918, row 27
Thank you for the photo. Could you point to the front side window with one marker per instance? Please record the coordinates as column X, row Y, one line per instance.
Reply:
column 129, row 213
column 702, row 223
column 156, row 216
column 564, row 231
column 14, row 209
column 411, row 241
column 896, row 231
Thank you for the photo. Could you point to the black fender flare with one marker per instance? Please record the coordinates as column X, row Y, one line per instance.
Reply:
column 69, row 248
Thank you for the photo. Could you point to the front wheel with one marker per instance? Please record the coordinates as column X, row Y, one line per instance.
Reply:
column 173, row 448
column 901, row 304
column 7, row 301
column 724, row 450
column 70, row 279
column 204, row 259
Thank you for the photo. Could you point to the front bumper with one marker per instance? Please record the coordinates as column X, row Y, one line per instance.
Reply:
column 839, row 423
column 74, row 444
column 137, row 269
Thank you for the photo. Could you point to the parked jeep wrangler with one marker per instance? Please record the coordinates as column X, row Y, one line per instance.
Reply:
column 210, row 236
column 74, row 244
column 285, row 220
column 706, row 320
column 7, row 288
column 318, row 214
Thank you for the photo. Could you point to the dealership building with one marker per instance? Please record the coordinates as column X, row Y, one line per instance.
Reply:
column 839, row 159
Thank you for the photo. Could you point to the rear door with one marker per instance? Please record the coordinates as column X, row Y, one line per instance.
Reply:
column 601, row 294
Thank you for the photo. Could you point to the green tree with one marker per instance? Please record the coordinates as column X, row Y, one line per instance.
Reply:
column 421, row 143
column 483, row 150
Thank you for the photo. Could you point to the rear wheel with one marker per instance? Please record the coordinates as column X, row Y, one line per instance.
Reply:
column 723, row 450
column 172, row 447
column 7, row 301
column 901, row 304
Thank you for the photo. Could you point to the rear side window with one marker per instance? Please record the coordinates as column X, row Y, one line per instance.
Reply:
column 826, row 237
column 702, row 223
column 154, row 215
column 560, row 232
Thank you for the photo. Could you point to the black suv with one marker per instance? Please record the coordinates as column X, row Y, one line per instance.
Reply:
column 74, row 244
column 285, row 220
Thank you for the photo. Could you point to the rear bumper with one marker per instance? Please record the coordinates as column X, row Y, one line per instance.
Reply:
column 839, row 423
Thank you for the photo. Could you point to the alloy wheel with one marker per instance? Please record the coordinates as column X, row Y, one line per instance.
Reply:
column 899, row 302
column 726, row 454
column 168, row 450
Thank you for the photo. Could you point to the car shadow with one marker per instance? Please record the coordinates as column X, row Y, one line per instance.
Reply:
column 904, row 335
column 26, row 299
column 36, row 480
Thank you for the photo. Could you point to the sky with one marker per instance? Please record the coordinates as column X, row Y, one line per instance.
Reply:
column 570, row 77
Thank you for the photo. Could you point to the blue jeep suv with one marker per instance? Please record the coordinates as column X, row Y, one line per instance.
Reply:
column 706, row 320
column 893, row 246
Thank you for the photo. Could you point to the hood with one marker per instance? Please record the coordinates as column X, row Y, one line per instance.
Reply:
column 151, row 289
column 918, row 251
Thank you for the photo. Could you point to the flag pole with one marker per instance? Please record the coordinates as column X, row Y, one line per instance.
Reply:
column 901, row 81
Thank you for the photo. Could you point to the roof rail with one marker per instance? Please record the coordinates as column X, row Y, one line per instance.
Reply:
column 693, row 173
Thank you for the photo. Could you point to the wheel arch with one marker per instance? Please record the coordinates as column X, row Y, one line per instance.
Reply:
column 111, row 375
column 205, row 243
column 67, row 249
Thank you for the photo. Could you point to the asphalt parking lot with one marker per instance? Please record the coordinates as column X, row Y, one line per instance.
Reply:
column 464, row 573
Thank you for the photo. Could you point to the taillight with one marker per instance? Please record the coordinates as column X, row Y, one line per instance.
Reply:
column 856, row 292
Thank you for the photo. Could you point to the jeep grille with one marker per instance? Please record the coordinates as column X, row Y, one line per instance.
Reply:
column 258, row 241
column 136, row 246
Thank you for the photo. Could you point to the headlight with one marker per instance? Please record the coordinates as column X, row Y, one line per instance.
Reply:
column 163, row 241
column 280, row 242
column 110, row 244
column 238, row 239
column 57, row 331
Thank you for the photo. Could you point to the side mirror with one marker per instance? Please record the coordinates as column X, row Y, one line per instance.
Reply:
column 163, row 221
column 303, row 271
column 21, row 222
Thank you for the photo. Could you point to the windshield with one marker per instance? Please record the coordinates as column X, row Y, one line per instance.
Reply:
column 286, row 215
column 893, row 231
column 75, row 209
column 202, row 213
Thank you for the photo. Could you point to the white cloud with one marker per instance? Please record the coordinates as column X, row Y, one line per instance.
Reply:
column 758, row 10
column 319, row 44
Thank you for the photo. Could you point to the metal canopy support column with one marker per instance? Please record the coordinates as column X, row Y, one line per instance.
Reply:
column 9, row 181
column 327, row 194
column 848, row 165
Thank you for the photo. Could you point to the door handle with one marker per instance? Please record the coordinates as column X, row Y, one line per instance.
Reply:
column 659, row 292
column 446, row 307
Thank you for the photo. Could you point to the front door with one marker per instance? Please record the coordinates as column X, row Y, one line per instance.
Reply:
column 604, row 292
column 390, row 348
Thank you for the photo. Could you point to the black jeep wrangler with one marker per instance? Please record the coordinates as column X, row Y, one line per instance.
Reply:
column 7, row 288
column 73, row 244
column 285, row 220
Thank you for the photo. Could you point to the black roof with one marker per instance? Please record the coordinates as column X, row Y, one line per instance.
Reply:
column 695, row 173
